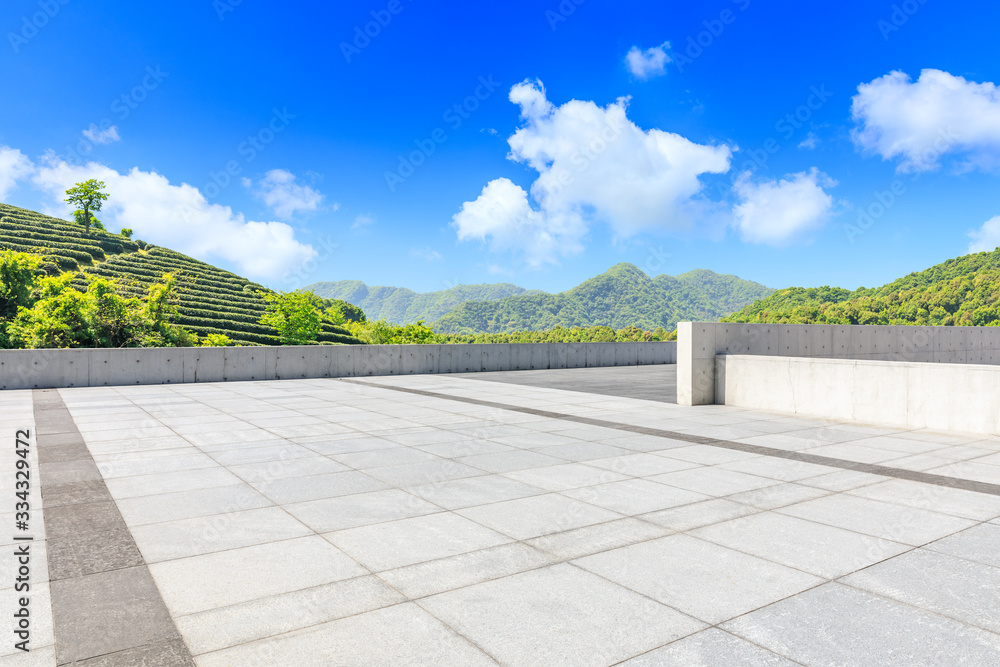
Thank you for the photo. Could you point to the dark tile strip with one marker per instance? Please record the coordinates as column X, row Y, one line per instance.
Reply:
column 106, row 608
column 885, row 471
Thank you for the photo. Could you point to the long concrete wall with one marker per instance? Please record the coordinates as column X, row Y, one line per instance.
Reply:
column 41, row 369
column 700, row 342
column 939, row 396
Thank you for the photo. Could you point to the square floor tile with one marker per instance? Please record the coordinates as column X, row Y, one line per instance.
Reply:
column 459, row 493
column 805, row 545
column 635, row 496
column 955, row 587
column 316, row 487
column 839, row 625
column 394, row 544
column 709, row 648
column 559, row 615
column 191, row 537
column 565, row 476
column 705, row 580
column 881, row 519
column 537, row 515
column 403, row 635
column 714, row 481
column 980, row 543
column 199, row 583
column 445, row 574
column 362, row 509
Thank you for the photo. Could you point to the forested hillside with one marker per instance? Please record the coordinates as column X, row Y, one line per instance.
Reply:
column 210, row 300
column 962, row 291
column 623, row 296
column 404, row 306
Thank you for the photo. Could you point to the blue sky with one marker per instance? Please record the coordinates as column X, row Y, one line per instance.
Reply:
column 587, row 133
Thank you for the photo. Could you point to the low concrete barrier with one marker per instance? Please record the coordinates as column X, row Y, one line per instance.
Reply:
column 939, row 396
column 700, row 342
column 43, row 369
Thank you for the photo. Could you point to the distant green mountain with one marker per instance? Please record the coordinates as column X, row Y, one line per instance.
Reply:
column 961, row 291
column 404, row 306
column 621, row 297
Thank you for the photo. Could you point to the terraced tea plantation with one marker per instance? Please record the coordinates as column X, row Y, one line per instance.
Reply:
column 211, row 300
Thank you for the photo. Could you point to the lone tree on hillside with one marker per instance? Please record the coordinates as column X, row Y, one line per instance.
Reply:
column 89, row 196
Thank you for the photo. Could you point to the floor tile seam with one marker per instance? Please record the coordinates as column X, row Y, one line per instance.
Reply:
column 900, row 503
column 844, row 464
column 924, row 610
column 55, row 398
column 720, row 629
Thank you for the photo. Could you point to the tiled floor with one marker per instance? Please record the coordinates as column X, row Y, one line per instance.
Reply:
column 350, row 523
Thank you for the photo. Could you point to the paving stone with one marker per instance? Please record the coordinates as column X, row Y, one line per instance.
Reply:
column 707, row 581
column 401, row 635
column 559, row 615
column 108, row 612
column 709, row 648
column 839, row 625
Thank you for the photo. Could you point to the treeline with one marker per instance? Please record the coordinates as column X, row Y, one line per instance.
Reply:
column 960, row 292
column 380, row 332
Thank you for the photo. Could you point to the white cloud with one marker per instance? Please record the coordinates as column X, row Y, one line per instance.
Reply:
column 427, row 254
column 284, row 196
column 363, row 221
column 179, row 217
column 810, row 142
column 14, row 166
column 919, row 122
column 775, row 212
column 649, row 63
column 593, row 164
column 99, row 136
column 987, row 237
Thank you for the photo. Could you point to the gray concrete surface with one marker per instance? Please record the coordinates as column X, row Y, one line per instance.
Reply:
column 453, row 521
column 950, row 397
column 40, row 369
column 651, row 383
column 700, row 342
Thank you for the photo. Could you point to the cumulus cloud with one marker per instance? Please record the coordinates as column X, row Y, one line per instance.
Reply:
column 99, row 136
column 987, row 237
column 649, row 63
column 775, row 212
column 14, row 166
column 283, row 195
column 918, row 122
column 179, row 217
column 593, row 164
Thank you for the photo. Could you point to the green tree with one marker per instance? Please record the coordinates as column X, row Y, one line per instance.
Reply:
column 216, row 340
column 127, row 233
column 18, row 277
column 293, row 315
column 89, row 196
